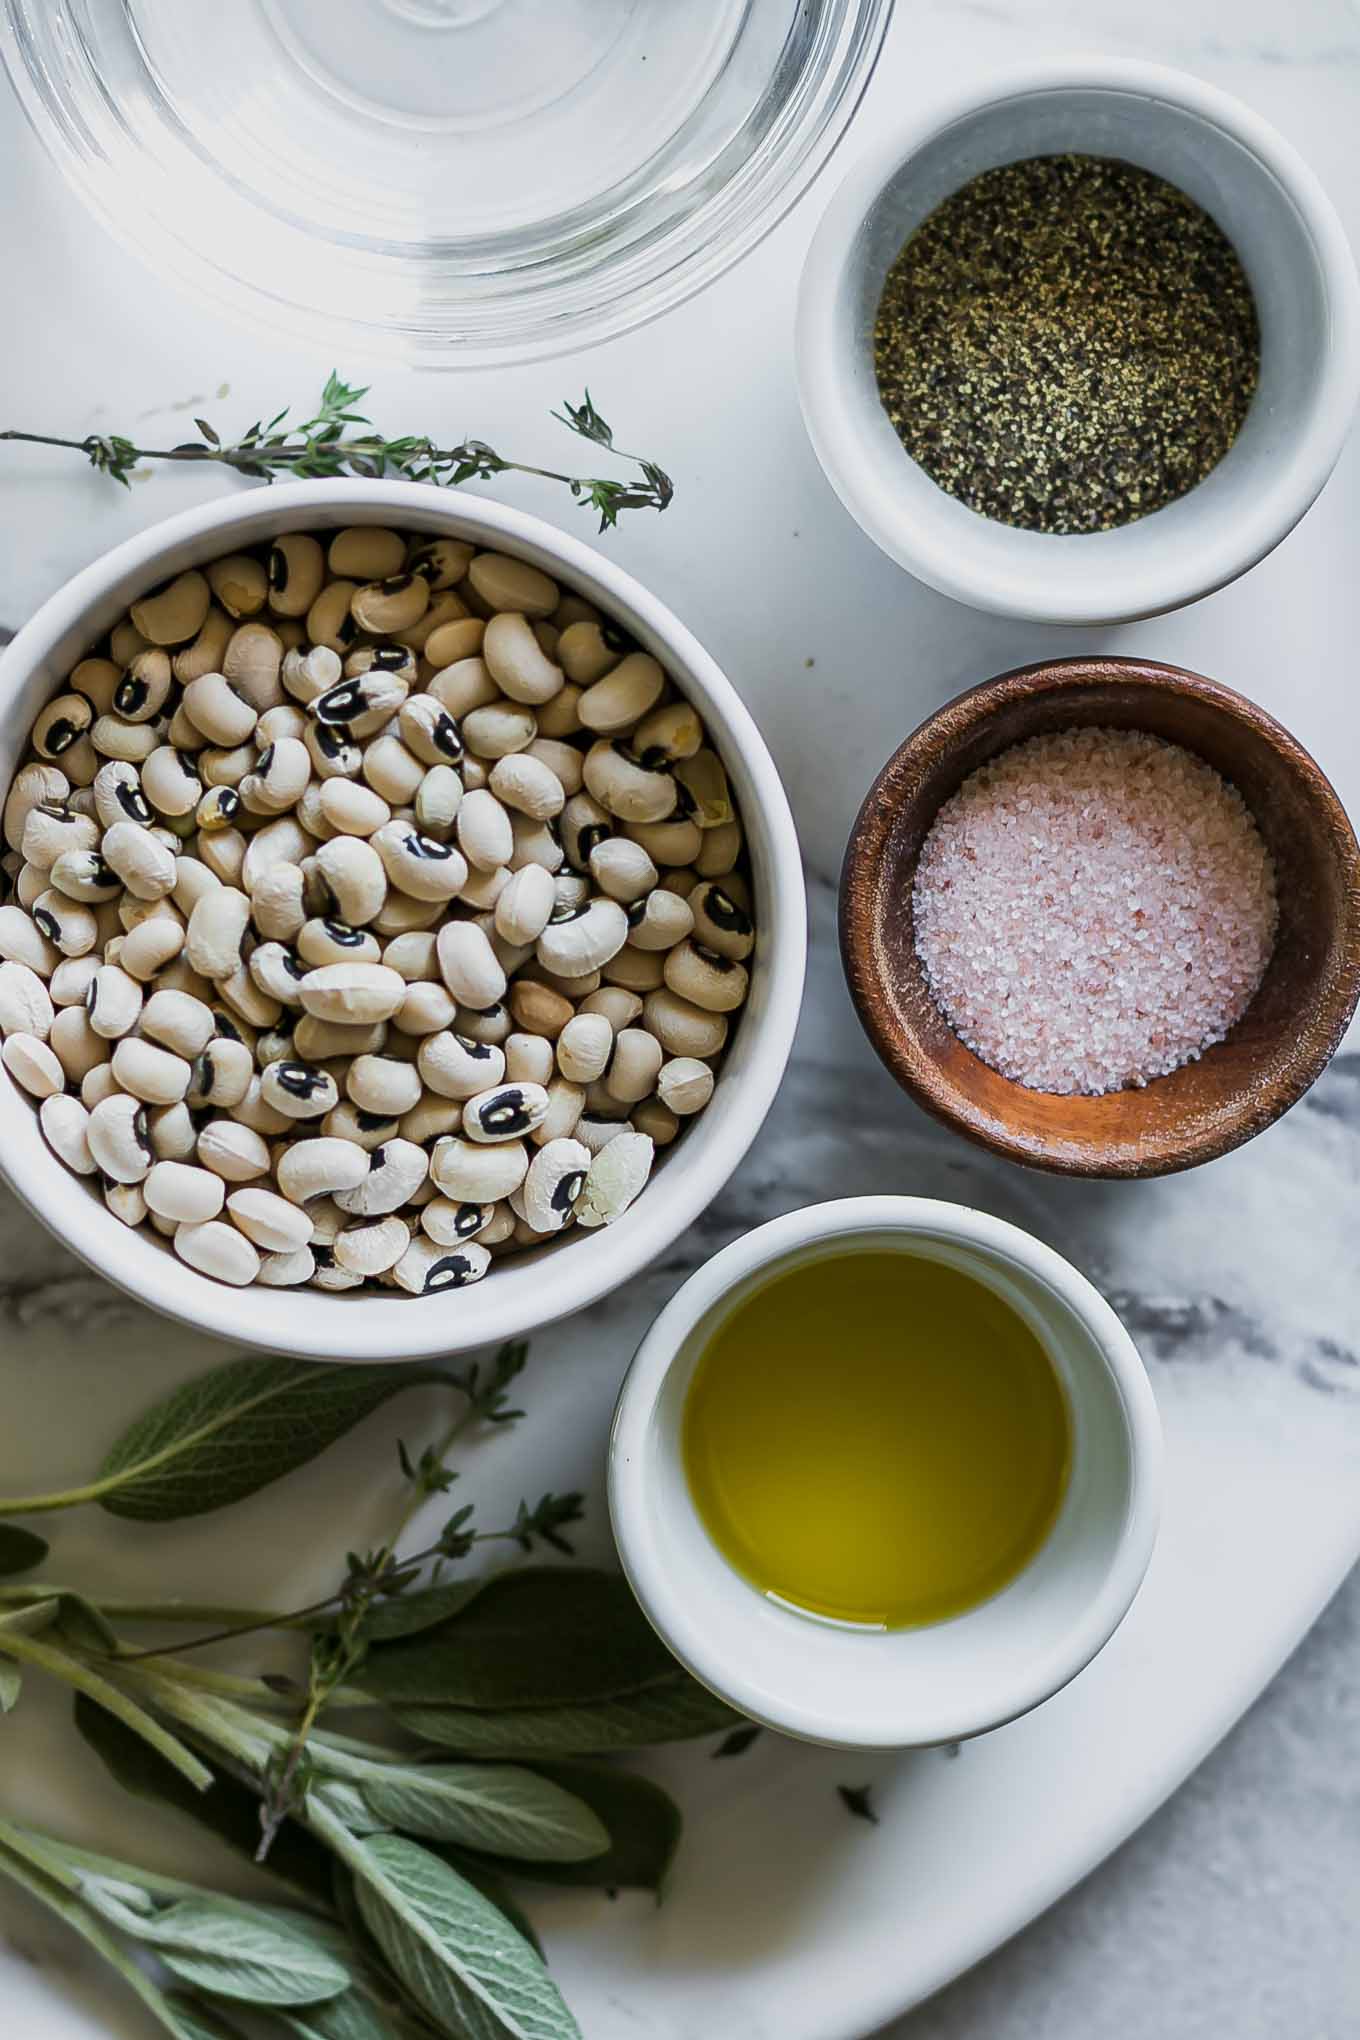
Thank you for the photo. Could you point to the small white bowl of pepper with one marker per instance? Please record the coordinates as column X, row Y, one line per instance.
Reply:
column 1081, row 345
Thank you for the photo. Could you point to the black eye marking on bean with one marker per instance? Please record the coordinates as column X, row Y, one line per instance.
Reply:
column 686, row 805
column 426, row 848
column 294, row 966
column 46, row 922
column 346, row 628
column 226, row 1027
column 130, row 695
column 395, row 584
column 722, row 964
column 505, row 1111
column 278, row 567
column 444, row 736
column 568, row 910
column 265, row 760
column 480, row 1051
column 723, row 911
column 323, row 1256
column 369, row 1122
column 60, row 736
column 468, row 1219
column 451, row 1272
column 228, row 801
column 339, row 704
column 591, row 837
column 141, row 1131
column 568, row 1190
column 343, row 935
column 333, row 738
column 377, row 1158
column 300, row 1080
column 637, row 911
column 391, row 658
column 616, row 639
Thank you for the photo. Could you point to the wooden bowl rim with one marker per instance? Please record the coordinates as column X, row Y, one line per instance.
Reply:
column 898, row 1047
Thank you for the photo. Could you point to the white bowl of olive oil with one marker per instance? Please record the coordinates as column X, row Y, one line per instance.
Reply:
column 886, row 1472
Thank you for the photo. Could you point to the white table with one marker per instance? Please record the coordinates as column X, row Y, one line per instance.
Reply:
column 1233, row 1911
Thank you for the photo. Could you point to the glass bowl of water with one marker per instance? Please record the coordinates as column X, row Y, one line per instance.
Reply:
column 452, row 182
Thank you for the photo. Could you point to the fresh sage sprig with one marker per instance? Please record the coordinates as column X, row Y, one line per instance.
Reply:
column 325, row 446
column 398, row 1847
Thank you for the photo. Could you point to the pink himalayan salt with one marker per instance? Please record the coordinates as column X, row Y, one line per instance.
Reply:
column 1093, row 909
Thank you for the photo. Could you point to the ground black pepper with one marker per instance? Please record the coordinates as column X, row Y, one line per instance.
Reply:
column 1067, row 344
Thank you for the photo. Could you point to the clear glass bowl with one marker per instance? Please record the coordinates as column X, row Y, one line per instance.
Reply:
column 456, row 182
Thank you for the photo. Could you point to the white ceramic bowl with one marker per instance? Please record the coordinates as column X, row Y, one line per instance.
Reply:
column 522, row 1293
column 1295, row 253
column 895, row 1689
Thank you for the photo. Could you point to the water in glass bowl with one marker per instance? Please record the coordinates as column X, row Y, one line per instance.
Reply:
column 456, row 181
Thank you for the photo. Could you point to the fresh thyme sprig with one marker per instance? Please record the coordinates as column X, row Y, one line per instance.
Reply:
column 323, row 447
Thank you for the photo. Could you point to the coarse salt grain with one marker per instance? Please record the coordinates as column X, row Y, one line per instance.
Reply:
column 1092, row 909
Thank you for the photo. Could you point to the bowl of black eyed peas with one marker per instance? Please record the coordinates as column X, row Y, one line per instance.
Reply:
column 402, row 934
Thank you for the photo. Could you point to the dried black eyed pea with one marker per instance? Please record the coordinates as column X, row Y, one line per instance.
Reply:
column 174, row 613
column 297, row 568
column 584, row 655
column 323, row 940
column 428, row 730
column 392, row 604
column 145, row 688
column 61, row 724
column 668, row 734
column 506, row 583
column 506, row 1112
column 252, row 661
column 443, row 562
column 721, row 922
column 366, row 552
column 239, row 583
column 627, row 788
column 299, row 1090
column 218, row 808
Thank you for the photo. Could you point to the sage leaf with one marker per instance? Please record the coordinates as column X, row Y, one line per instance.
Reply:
column 453, row 1951
column 351, row 2016
column 671, row 1712
column 263, row 1955
column 79, row 1622
column 408, row 1614
column 643, row 1824
column 236, row 1429
column 20, row 1550
column 542, row 1636
column 11, row 1681
column 226, row 1808
column 32, row 1620
column 480, row 1873
column 195, row 2022
column 499, row 1808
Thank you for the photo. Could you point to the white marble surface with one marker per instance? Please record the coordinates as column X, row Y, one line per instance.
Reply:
column 1234, row 1910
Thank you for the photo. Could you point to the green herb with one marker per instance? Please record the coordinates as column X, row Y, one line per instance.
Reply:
column 324, row 446
column 855, row 1799
column 398, row 1853
column 229, row 1433
column 20, row 1550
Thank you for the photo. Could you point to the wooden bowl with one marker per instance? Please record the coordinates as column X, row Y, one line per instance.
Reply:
column 1283, row 1041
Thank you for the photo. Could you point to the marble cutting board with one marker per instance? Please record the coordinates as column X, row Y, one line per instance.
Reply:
column 787, row 1920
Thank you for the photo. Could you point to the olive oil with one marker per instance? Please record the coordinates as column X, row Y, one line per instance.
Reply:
column 876, row 1438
